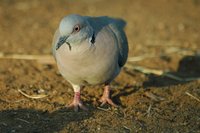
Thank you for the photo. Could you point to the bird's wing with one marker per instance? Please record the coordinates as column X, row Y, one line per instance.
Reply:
column 55, row 41
column 116, row 26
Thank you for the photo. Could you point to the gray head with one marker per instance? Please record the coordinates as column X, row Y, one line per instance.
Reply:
column 73, row 30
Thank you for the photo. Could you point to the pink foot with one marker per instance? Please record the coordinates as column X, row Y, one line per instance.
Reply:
column 106, row 97
column 77, row 103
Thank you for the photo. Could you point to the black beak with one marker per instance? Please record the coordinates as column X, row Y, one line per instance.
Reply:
column 61, row 41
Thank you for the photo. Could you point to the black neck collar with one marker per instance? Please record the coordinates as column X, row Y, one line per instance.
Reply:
column 93, row 39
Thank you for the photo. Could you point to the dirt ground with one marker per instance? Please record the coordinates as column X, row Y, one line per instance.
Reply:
column 148, row 102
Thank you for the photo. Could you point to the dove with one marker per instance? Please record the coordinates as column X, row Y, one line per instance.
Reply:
column 90, row 51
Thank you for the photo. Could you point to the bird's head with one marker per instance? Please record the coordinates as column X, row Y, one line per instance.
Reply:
column 74, row 29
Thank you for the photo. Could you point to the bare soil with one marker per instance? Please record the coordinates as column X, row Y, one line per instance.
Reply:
column 148, row 102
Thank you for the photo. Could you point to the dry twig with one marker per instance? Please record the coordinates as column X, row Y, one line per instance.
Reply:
column 153, row 96
column 23, row 120
column 148, row 71
column 32, row 96
column 3, row 123
column 192, row 79
column 139, row 58
column 44, row 59
column 192, row 96
column 167, row 52
column 149, row 110
column 171, row 76
column 127, row 128
column 160, row 73
column 106, row 110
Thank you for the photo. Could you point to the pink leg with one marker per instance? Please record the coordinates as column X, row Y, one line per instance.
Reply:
column 77, row 102
column 106, row 97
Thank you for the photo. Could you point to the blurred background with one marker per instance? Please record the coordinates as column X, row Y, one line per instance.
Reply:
column 156, row 23
column 158, row 90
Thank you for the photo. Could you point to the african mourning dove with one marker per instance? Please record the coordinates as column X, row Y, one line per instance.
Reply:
column 90, row 51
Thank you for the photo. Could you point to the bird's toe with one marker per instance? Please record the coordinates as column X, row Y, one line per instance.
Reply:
column 77, row 105
column 105, row 100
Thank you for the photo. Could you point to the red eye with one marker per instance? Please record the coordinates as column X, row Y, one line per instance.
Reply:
column 76, row 28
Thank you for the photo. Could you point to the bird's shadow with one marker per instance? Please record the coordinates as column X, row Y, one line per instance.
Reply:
column 38, row 121
column 189, row 68
column 125, row 91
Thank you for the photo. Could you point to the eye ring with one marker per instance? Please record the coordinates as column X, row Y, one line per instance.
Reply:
column 76, row 28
